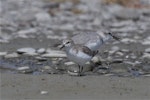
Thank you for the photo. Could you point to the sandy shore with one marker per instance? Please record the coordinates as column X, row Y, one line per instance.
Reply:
column 64, row 87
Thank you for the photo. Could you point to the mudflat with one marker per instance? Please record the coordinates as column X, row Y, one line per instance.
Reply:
column 65, row 87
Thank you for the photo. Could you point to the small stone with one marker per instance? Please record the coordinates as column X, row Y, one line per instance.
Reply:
column 41, row 58
column 127, row 41
column 127, row 14
column 124, row 50
column 67, row 27
column 26, row 50
column 146, row 75
column 73, row 73
column 119, row 53
column 117, row 61
column 97, row 60
column 133, row 56
column 41, row 50
column 44, row 92
column 146, row 55
column 4, row 41
column 54, row 53
column 51, row 5
column 50, row 55
column 129, row 63
column 147, row 50
column 146, row 42
column 12, row 55
column 47, row 67
column 31, row 54
column 146, row 68
column 23, row 68
column 102, row 69
column 43, row 17
column 115, row 48
column 27, row 31
column 122, row 24
column 69, row 63
column 3, row 53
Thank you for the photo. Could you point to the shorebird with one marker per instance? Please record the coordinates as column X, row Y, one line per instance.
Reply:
column 83, row 47
column 77, row 53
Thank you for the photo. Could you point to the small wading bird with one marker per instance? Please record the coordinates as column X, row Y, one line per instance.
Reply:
column 83, row 52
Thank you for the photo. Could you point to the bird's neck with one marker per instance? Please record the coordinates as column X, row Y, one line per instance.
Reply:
column 68, row 48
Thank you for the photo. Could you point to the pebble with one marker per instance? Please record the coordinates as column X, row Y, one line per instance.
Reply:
column 117, row 61
column 44, row 92
column 43, row 17
column 97, row 60
column 27, row 50
column 73, row 68
column 146, row 42
column 41, row 58
column 27, row 31
column 146, row 55
column 102, row 69
column 12, row 55
column 73, row 73
column 127, row 14
column 147, row 75
column 49, row 70
column 51, row 55
column 41, row 50
column 124, row 50
column 3, row 53
column 66, row 27
column 4, row 41
column 147, row 50
column 69, row 63
column 119, row 53
column 114, row 49
column 54, row 53
column 127, row 41
column 146, row 68
column 31, row 54
column 122, row 23
column 23, row 68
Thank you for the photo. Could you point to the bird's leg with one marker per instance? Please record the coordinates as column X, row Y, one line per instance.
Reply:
column 80, row 69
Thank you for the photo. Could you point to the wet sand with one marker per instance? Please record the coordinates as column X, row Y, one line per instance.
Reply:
column 65, row 87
